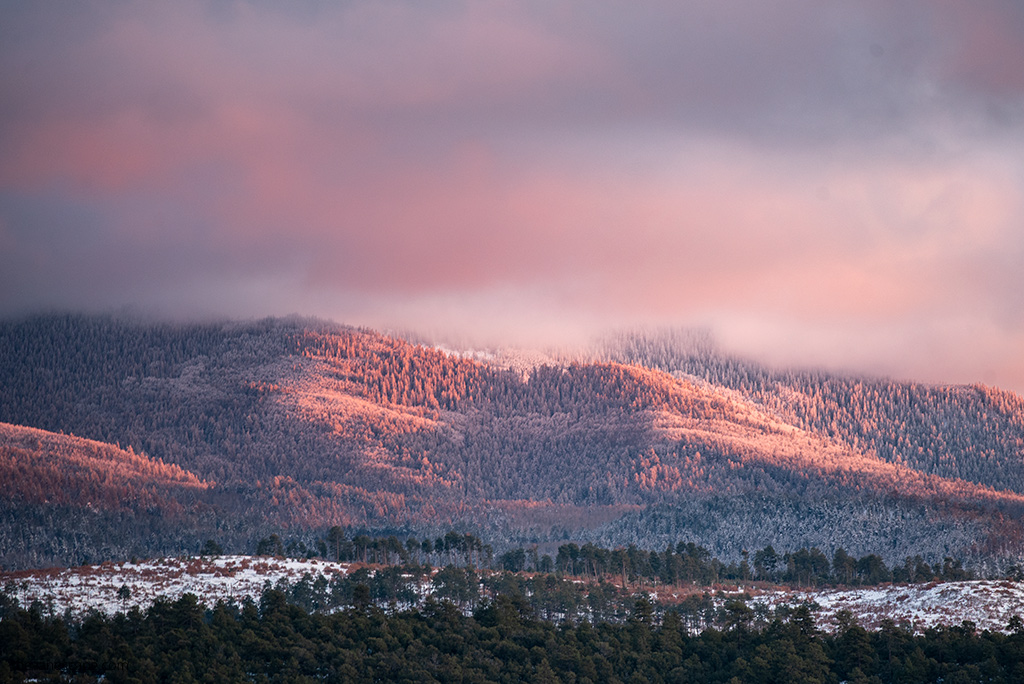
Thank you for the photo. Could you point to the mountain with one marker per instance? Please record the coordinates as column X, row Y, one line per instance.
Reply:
column 972, row 433
column 295, row 425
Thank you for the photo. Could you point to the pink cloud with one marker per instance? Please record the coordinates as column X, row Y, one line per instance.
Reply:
column 834, row 169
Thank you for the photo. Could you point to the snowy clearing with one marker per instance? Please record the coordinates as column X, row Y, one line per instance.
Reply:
column 211, row 579
column 989, row 604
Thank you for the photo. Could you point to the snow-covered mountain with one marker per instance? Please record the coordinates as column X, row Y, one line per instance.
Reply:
column 233, row 431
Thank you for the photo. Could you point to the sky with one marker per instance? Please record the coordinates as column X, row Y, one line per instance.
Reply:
column 834, row 183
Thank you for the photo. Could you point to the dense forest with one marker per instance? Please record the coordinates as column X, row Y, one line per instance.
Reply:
column 681, row 564
column 501, row 639
column 973, row 433
column 292, row 424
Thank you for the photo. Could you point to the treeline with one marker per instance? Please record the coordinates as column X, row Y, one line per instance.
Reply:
column 891, row 528
column 501, row 641
column 453, row 548
column 550, row 597
column 630, row 566
column 687, row 562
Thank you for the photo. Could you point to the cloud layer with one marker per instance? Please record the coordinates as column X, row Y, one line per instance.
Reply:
column 829, row 183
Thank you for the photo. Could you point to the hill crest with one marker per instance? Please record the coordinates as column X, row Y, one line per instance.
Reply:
column 293, row 424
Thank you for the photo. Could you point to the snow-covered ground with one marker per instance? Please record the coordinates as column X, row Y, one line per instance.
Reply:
column 211, row 579
column 988, row 603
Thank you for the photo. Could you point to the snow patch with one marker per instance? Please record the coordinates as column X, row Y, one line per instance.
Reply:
column 989, row 604
column 96, row 587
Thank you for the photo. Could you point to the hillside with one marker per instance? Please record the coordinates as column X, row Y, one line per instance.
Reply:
column 342, row 623
column 40, row 467
column 988, row 604
column 294, row 426
column 972, row 433
column 64, row 494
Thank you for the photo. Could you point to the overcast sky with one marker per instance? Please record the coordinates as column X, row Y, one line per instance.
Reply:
column 820, row 182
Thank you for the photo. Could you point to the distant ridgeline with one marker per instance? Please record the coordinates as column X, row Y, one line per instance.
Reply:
column 970, row 433
column 149, row 438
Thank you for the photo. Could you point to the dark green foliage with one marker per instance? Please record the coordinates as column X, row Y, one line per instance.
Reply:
column 681, row 564
column 513, row 561
column 270, row 546
column 688, row 563
column 211, row 548
column 503, row 641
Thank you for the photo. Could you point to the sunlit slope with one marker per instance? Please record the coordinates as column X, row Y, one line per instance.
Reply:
column 972, row 433
column 296, row 424
column 67, row 499
column 39, row 467
column 603, row 433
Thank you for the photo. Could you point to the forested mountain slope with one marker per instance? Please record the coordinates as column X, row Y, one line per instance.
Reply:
column 63, row 493
column 297, row 424
column 973, row 433
column 42, row 467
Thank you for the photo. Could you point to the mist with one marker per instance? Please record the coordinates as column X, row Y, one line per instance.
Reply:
column 826, row 185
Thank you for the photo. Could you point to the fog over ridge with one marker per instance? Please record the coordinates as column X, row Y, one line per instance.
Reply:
column 833, row 185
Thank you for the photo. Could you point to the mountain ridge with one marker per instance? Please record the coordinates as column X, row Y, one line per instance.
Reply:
column 300, row 424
